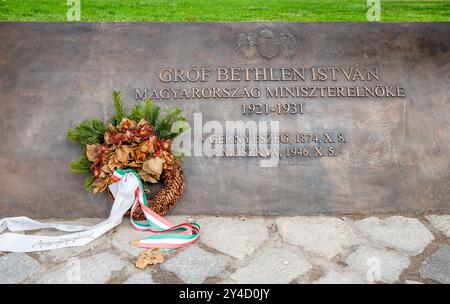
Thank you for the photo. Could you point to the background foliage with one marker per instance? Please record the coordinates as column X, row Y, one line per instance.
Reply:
column 225, row 10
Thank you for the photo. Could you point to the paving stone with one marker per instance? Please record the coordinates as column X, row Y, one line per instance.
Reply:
column 97, row 269
column 377, row 264
column 233, row 237
column 324, row 236
column 441, row 223
column 273, row 266
column 334, row 277
column 437, row 265
column 397, row 232
column 140, row 278
column 193, row 265
column 15, row 267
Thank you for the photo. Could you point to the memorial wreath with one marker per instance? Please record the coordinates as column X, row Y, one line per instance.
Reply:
column 139, row 139
column 124, row 157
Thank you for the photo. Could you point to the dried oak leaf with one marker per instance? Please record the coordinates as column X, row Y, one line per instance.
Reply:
column 168, row 159
column 126, row 124
column 118, row 138
column 128, row 136
column 107, row 155
column 123, row 154
column 92, row 152
column 147, row 177
column 111, row 129
column 139, row 155
column 143, row 123
column 166, row 145
column 153, row 166
column 2, row 253
column 148, row 146
column 144, row 129
column 106, row 171
column 113, row 164
column 134, row 164
column 99, row 185
column 149, row 257
column 110, row 133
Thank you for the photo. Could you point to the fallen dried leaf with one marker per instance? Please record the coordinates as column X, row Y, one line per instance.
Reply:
column 2, row 253
column 149, row 257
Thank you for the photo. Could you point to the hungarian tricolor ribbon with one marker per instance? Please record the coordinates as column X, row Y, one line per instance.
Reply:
column 128, row 192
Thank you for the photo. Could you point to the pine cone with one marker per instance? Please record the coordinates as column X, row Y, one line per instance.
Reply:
column 168, row 196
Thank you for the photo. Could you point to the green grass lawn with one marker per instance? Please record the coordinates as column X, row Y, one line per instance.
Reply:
column 224, row 10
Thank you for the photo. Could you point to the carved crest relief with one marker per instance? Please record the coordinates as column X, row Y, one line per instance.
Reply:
column 266, row 44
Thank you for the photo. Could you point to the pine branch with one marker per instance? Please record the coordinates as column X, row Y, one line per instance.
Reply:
column 179, row 156
column 147, row 186
column 136, row 113
column 163, row 126
column 179, row 127
column 150, row 111
column 119, row 108
column 147, row 110
column 90, row 131
column 88, row 183
column 81, row 165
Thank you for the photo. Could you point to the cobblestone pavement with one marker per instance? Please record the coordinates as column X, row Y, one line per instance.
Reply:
column 392, row 249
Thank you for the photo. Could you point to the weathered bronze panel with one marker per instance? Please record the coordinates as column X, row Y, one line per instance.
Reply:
column 376, row 94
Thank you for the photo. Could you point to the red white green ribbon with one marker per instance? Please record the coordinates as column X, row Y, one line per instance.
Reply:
column 128, row 193
column 166, row 235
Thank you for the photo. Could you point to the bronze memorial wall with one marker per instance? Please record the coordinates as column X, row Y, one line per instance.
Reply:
column 286, row 118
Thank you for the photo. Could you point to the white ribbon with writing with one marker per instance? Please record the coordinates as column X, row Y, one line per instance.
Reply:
column 124, row 197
